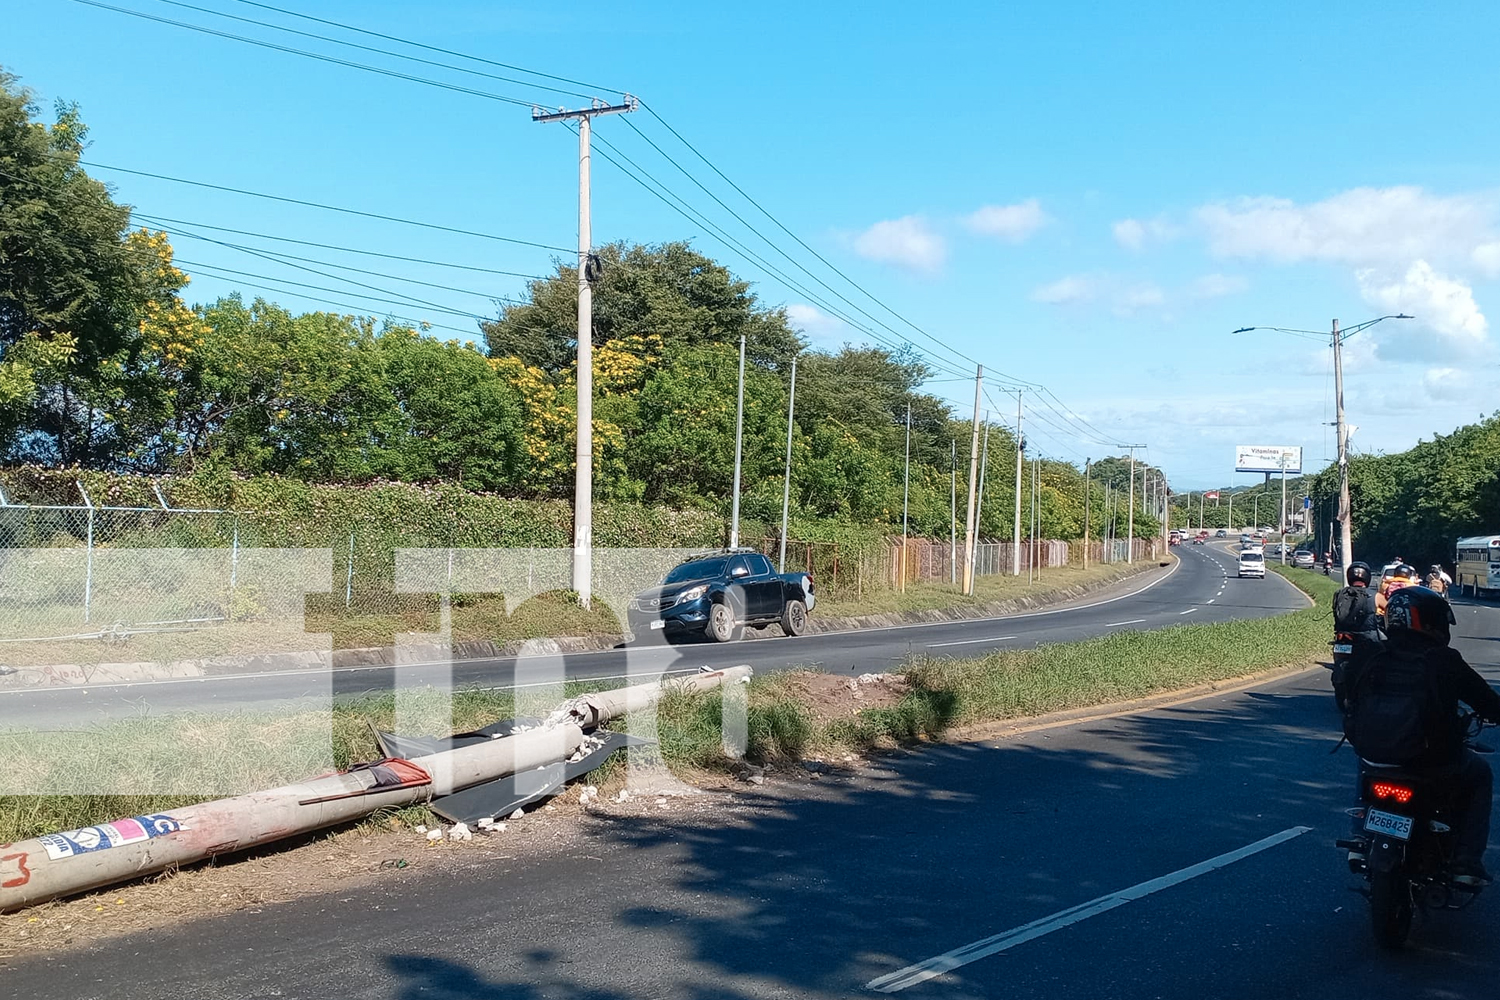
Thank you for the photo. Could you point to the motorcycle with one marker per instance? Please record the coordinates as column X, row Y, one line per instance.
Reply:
column 1343, row 652
column 1407, row 845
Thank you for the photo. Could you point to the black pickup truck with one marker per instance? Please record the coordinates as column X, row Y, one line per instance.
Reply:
column 720, row 594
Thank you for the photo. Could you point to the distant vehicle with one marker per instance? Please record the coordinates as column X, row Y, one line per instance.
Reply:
column 1252, row 564
column 1245, row 538
column 1221, row 533
column 1250, row 545
column 722, row 593
column 1478, row 565
column 1304, row 559
column 1175, row 538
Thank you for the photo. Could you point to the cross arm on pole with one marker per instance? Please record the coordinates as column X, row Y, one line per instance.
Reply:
column 594, row 110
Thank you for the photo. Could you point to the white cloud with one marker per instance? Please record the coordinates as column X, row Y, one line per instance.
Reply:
column 1011, row 223
column 1487, row 257
column 1444, row 306
column 1212, row 286
column 1073, row 288
column 816, row 323
column 1139, row 297
column 1133, row 234
column 1439, row 380
column 906, row 242
column 1362, row 226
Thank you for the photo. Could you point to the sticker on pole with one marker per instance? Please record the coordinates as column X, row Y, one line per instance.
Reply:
column 107, row 835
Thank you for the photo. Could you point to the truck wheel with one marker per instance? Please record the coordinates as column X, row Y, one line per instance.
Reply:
column 794, row 618
column 721, row 626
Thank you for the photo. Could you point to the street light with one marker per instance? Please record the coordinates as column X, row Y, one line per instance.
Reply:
column 1345, row 542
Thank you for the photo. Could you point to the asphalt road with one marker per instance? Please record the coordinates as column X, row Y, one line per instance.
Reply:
column 1198, row 589
column 818, row 891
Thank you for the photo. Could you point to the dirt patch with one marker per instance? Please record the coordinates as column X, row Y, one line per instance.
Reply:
column 829, row 697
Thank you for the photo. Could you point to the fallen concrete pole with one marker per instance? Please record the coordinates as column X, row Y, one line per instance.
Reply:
column 61, row 864
column 596, row 709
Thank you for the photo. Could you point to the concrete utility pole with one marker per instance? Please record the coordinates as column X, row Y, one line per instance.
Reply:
column 953, row 518
column 1130, row 522
column 1088, row 471
column 1036, row 517
column 583, row 473
column 984, row 467
column 973, row 486
column 905, row 497
column 1015, row 557
column 1345, row 533
column 786, row 480
column 739, row 437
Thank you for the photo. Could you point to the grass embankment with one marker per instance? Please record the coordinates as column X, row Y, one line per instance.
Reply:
column 1049, row 585
column 783, row 727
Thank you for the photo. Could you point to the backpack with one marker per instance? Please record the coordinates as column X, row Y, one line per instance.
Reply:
column 1354, row 609
column 1393, row 711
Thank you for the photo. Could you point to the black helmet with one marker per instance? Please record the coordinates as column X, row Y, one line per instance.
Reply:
column 1407, row 570
column 1358, row 574
column 1419, row 611
column 1435, row 568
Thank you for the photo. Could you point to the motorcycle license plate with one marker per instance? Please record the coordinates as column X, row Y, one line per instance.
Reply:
column 1389, row 824
column 1343, row 647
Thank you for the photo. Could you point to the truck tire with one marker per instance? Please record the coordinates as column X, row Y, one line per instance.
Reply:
column 794, row 618
column 722, row 626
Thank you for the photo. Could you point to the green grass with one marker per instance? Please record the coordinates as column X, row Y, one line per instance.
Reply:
column 944, row 693
column 988, row 590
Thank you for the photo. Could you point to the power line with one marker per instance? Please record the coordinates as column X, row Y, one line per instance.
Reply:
column 157, row 220
column 313, row 55
column 431, row 48
column 337, row 291
column 688, row 212
column 314, row 204
column 370, row 48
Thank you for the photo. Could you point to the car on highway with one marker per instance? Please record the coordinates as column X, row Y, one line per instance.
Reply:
column 1303, row 559
column 1252, row 564
column 1245, row 538
column 1221, row 533
column 720, row 594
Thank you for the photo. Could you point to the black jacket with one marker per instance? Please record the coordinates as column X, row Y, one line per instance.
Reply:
column 1354, row 611
column 1453, row 681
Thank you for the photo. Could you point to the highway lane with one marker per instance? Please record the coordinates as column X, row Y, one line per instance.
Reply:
column 816, row 892
column 1198, row 589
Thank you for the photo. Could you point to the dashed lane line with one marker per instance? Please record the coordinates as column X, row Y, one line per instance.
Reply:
column 1188, row 611
column 933, row 967
column 1133, row 621
column 968, row 642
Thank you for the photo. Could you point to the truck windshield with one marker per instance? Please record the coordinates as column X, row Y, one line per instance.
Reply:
column 700, row 569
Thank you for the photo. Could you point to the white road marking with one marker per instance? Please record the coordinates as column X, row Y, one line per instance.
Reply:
column 933, row 967
column 1188, row 611
column 967, row 642
column 1212, row 599
column 1133, row 621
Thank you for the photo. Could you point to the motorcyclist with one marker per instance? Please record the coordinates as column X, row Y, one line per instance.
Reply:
column 1354, row 616
column 1418, row 627
column 1438, row 579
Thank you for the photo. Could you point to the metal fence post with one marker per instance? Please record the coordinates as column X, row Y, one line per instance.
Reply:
column 234, row 566
column 88, row 573
column 349, row 575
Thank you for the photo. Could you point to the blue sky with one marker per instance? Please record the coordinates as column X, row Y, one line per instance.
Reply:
column 1087, row 198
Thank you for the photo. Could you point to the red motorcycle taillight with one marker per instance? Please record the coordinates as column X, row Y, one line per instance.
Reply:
column 1386, row 790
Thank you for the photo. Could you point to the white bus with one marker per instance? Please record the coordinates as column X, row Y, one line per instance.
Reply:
column 1478, row 566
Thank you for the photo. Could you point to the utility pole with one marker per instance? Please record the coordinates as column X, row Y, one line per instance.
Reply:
column 1130, row 523
column 984, row 468
column 1088, row 470
column 1036, row 516
column 583, row 474
column 905, row 496
column 1283, row 510
column 1015, row 556
column 1345, row 533
column 739, row 444
column 953, row 519
column 973, row 485
column 786, row 479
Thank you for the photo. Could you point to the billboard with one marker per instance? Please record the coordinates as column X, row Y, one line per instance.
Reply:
column 1267, row 458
